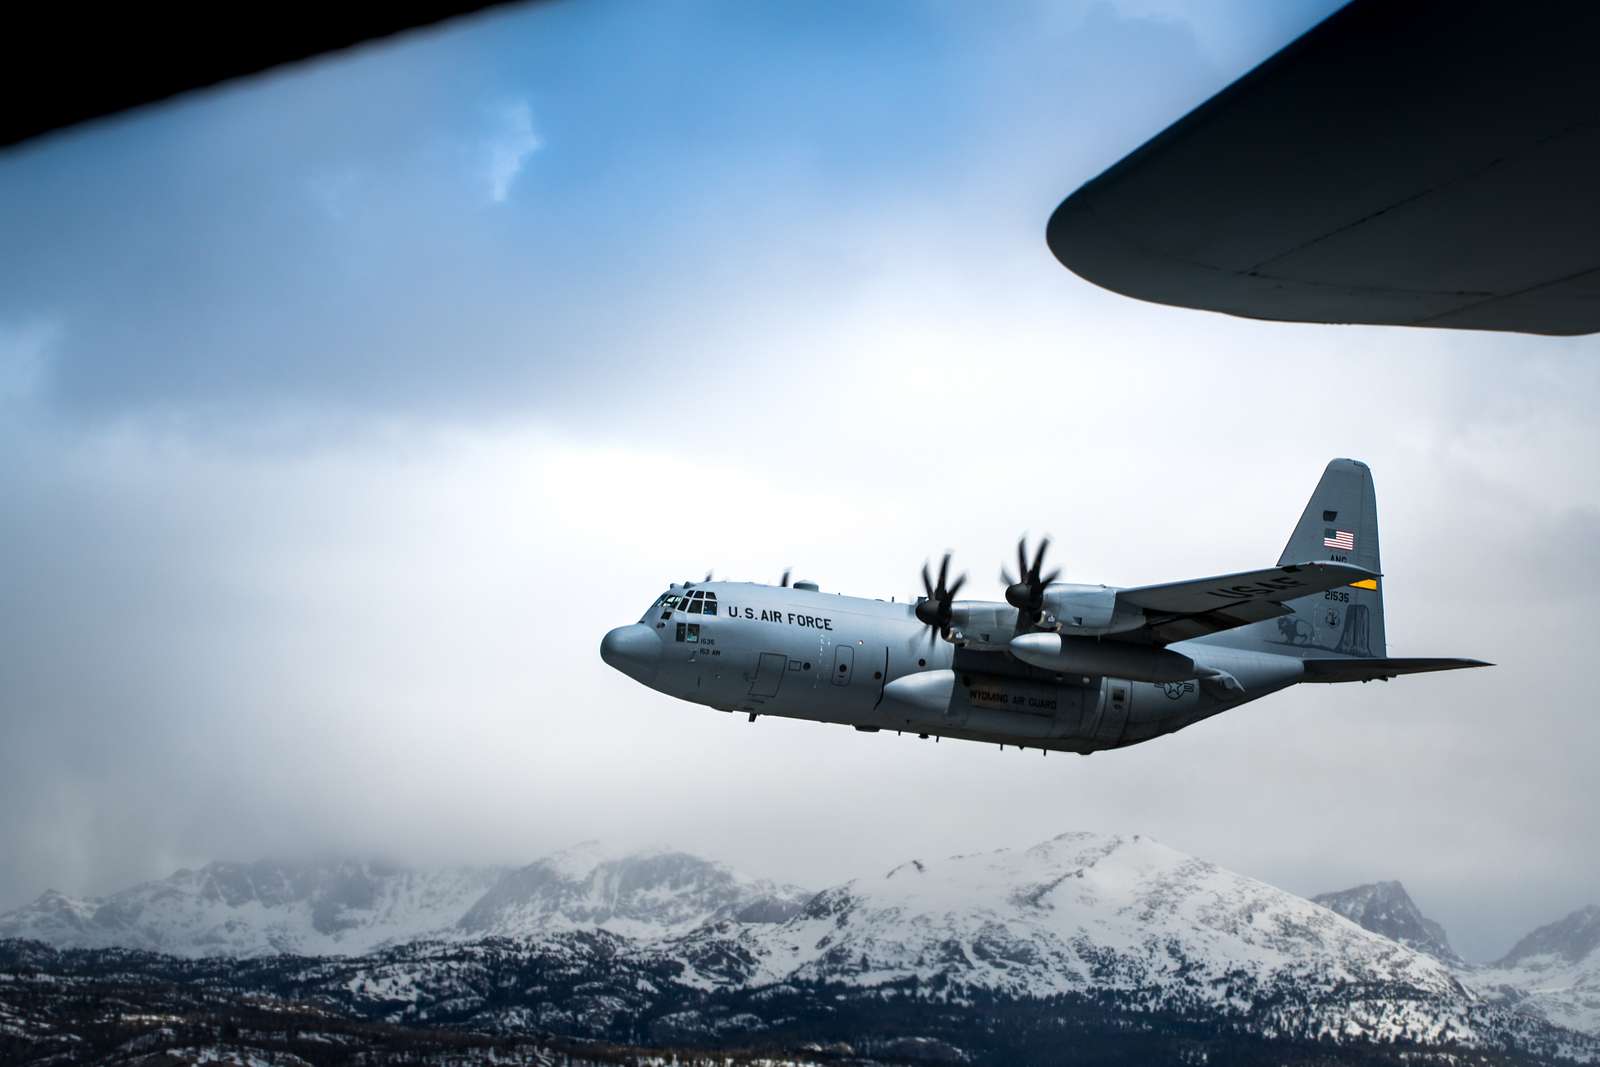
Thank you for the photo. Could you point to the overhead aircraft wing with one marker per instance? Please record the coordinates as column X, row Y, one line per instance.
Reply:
column 1368, row 670
column 96, row 60
column 1428, row 163
column 1179, row 611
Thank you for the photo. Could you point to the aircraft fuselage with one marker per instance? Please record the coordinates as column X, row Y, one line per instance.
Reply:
column 803, row 654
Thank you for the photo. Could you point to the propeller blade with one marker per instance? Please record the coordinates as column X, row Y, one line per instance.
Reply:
column 934, row 609
column 1026, row 594
column 785, row 581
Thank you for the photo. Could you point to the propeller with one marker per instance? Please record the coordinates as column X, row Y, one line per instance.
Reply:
column 1026, row 593
column 936, row 608
column 785, row 582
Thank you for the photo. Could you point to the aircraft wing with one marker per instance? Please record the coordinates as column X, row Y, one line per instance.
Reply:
column 1368, row 670
column 1381, row 169
column 96, row 61
column 1178, row 611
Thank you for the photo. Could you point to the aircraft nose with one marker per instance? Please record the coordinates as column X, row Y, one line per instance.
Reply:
column 635, row 650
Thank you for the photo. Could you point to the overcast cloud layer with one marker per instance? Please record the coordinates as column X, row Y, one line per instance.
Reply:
column 341, row 413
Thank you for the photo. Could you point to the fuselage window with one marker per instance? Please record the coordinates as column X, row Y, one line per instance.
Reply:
column 694, row 633
column 680, row 631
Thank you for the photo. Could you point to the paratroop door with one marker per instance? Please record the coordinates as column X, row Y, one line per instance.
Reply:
column 769, row 674
column 844, row 661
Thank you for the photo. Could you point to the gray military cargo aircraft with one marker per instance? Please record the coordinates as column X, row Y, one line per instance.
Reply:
column 1074, row 668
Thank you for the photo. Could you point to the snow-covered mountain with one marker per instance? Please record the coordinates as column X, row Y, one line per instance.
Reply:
column 352, row 908
column 591, row 942
column 643, row 896
column 1090, row 913
column 253, row 909
column 1386, row 908
column 1554, row 972
column 1572, row 940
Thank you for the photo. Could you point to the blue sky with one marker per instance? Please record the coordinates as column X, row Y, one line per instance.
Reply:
column 548, row 186
column 343, row 410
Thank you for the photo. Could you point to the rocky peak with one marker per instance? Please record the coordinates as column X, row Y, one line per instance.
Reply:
column 1386, row 908
column 1571, row 939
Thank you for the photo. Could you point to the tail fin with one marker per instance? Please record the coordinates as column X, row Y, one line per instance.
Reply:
column 1339, row 523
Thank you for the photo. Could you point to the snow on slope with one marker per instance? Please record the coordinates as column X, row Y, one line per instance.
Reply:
column 1554, row 972
column 643, row 896
column 1091, row 912
column 254, row 909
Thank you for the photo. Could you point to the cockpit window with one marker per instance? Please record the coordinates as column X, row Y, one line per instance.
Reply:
column 695, row 602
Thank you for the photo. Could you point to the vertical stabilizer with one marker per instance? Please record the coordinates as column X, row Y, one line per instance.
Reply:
column 1340, row 523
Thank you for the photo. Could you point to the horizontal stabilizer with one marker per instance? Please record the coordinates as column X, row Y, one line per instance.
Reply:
column 1367, row 670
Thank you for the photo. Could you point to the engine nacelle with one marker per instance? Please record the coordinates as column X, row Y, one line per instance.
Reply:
column 983, row 624
column 1087, row 610
column 1076, row 655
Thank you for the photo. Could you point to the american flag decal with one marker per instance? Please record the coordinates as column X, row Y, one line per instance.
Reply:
column 1343, row 540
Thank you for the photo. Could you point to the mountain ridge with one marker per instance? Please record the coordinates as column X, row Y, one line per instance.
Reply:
column 1080, row 915
column 353, row 907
